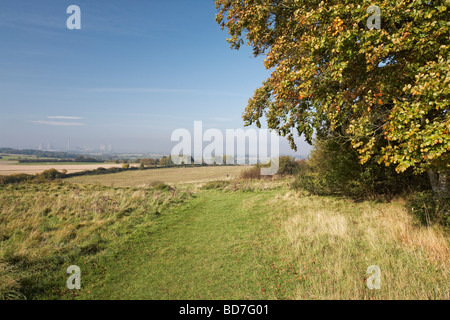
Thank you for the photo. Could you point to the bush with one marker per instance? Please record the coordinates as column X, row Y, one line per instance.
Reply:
column 47, row 175
column 310, row 180
column 334, row 168
column 216, row 185
column 158, row 185
column 149, row 162
column 51, row 174
column 166, row 161
column 288, row 165
column 428, row 209
column 252, row 173
column 15, row 178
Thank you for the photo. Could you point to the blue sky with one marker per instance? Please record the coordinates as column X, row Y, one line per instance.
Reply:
column 136, row 71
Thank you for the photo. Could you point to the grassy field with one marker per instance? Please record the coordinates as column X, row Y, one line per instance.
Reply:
column 15, row 157
column 175, row 175
column 222, row 240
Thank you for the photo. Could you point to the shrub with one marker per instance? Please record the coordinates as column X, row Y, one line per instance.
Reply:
column 158, row 185
column 288, row 165
column 333, row 168
column 149, row 162
column 428, row 209
column 47, row 175
column 216, row 185
column 51, row 174
column 98, row 171
column 166, row 161
column 252, row 173
column 310, row 180
column 15, row 178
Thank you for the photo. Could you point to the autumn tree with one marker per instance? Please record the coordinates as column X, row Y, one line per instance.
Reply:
column 166, row 161
column 149, row 161
column 385, row 90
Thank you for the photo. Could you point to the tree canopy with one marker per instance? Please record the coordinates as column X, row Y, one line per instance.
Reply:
column 386, row 90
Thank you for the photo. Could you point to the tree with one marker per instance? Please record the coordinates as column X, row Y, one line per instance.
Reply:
column 149, row 162
column 386, row 91
column 288, row 165
column 166, row 161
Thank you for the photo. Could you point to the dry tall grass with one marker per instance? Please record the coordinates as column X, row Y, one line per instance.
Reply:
column 338, row 240
column 41, row 224
column 9, row 284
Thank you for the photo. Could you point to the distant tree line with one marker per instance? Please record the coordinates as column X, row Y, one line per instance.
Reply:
column 185, row 160
column 164, row 161
column 39, row 153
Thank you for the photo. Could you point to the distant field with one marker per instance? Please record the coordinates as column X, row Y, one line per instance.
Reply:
column 15, row 157
column 7, row 168
column 21, row 156
column 68, row 163
column 166, row 175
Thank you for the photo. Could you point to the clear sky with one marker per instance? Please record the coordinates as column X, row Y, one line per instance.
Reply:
column 136, row 71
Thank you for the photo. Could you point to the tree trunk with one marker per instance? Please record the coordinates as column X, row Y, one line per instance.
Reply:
column 439, row 183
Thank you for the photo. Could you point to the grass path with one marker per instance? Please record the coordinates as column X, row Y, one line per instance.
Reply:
column 208, row 250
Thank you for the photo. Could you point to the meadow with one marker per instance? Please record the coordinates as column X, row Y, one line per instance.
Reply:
column 173, row 176
column 227, row 239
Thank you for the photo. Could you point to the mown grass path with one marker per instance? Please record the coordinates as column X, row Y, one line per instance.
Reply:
column 209, row 249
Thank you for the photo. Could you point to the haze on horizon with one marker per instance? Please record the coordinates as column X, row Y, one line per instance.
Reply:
column 134, row 73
